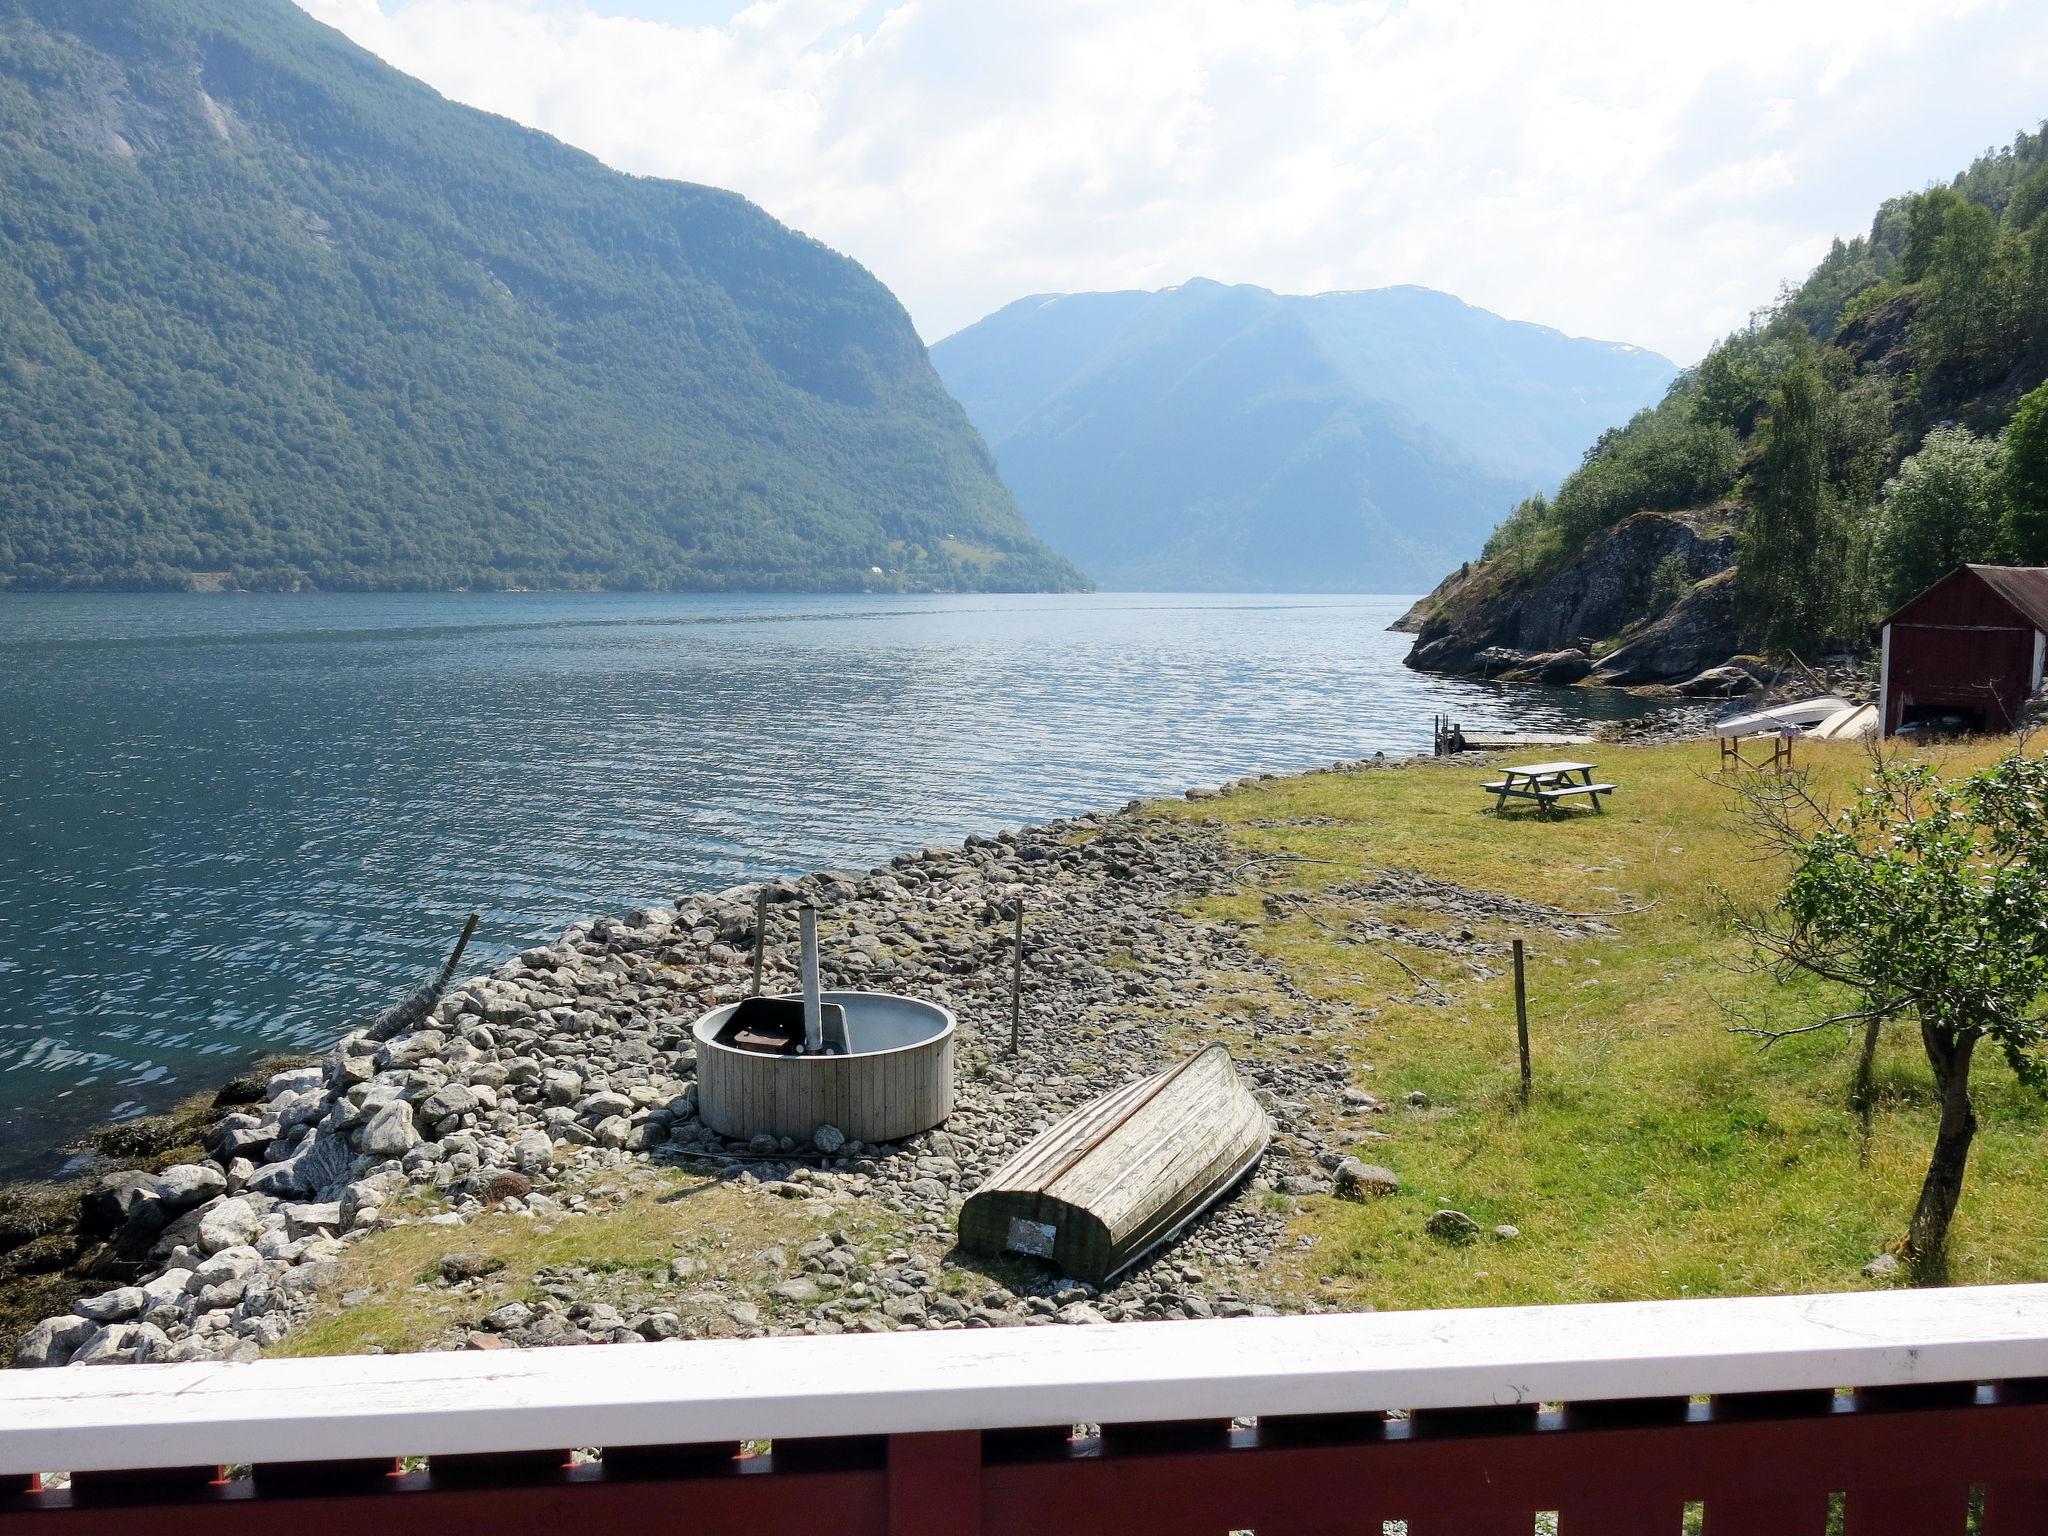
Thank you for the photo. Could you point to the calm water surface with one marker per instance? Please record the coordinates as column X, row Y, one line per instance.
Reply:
column 236, row 824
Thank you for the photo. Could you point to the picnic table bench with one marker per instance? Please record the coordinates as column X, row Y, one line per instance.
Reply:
column 1546, row 784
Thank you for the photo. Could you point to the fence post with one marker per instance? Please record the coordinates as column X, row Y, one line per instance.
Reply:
column 760, row 936
column 1522, row 1018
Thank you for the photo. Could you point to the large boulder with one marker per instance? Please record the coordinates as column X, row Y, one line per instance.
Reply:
column 320, row 1160
column 113, row 1306
column 118, row 1200
column 185, row 1185
column 229, row 1224
column 389, row 1132
column 54, row 1340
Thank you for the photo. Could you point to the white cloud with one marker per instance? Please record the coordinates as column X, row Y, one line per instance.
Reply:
column 1648, row 173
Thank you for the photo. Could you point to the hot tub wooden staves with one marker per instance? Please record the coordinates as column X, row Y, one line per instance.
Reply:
column 1121, row 1176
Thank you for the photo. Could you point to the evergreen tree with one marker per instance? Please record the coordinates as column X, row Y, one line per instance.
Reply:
column 1783, row 576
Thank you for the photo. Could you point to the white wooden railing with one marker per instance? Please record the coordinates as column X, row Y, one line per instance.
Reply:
column 932, row 1386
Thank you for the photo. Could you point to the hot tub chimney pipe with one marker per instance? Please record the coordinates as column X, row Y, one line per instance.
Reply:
column 814, row 1010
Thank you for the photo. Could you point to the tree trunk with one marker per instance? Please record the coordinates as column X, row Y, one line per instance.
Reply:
column 1927, row 1238
column 1860, row 1093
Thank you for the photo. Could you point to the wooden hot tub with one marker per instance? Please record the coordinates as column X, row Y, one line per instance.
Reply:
column 896, row 1081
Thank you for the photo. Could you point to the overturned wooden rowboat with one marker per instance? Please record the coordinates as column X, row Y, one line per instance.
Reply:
column 1120, row 1177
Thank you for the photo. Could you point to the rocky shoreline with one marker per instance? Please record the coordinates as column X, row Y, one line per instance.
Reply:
column 541, row 1089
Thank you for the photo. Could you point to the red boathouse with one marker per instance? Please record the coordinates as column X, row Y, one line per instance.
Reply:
column 1967, row 651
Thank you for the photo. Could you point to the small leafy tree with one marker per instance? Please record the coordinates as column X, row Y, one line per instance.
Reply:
column 2026, row 479
column 1669, row 581
column 1927, row 897
column 1939, row 510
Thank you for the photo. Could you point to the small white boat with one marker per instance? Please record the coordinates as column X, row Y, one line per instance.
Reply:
column 1123, row 1176
column 1799, row 717
column 1851, row 724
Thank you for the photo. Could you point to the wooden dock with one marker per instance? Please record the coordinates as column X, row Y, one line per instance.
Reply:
column 1450, row 737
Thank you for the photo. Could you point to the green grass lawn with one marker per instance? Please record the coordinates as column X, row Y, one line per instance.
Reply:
column 1662, row 1155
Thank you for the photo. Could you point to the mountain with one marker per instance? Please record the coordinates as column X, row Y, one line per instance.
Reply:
column 1220, row 437
column 1884, row 422
column 272, row 312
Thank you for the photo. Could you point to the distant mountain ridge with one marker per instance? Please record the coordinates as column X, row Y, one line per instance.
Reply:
column 1215, row 436
column 273, row 313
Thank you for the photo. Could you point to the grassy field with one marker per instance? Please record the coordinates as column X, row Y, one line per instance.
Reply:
column 1662, row 1154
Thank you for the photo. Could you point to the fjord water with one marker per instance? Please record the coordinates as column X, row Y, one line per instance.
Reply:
column 230, row 825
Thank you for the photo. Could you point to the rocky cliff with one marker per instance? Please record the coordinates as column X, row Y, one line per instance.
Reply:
column 1616, row 612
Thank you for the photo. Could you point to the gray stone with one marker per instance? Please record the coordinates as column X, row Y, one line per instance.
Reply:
column 603, row 1105
column 231, row 1223
column 228, row 1264
column 168, row 1286
column 828, row 1139
column 151, row 1344
column 293, row 1080
column 388, row 1133
column 448, row 1099
column 1507, row 1233
column 469, row 1265
column 1363, row 1181
column 1885, row 1266
column 53, row 1340
column 1079, row 1313
column 185, row 1185
column 504, row 1319
column 1451, row 1226
column 532, row 1154
column 321, row 1159
column 112, row 1345
column 801, row 1292
column 112, row 1306
column 308, row 1220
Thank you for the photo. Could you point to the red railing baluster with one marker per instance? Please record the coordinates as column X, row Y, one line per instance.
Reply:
column 935, row 1484
column 1499, row 1524
column 2016, row 1509
column 1787, row 1514
column 1937, row 1511
column 1617, row 1516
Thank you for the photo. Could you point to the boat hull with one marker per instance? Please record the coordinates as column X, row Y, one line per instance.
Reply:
column 1121, row 1177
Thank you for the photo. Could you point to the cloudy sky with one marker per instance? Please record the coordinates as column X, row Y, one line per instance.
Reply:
column 1640, row 170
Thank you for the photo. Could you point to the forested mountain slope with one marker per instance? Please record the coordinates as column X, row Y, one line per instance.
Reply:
column 1880, row 424
column 272, row 309
column 1228, row 437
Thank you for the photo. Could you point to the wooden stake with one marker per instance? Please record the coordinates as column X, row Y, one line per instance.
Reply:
column 1522, row 1018
column 760, row 936
column 1017, row 980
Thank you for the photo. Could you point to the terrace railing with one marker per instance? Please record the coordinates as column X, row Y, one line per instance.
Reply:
column 1901, row 1413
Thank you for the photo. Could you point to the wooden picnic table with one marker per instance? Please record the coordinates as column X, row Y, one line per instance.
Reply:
column 1546, row 784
